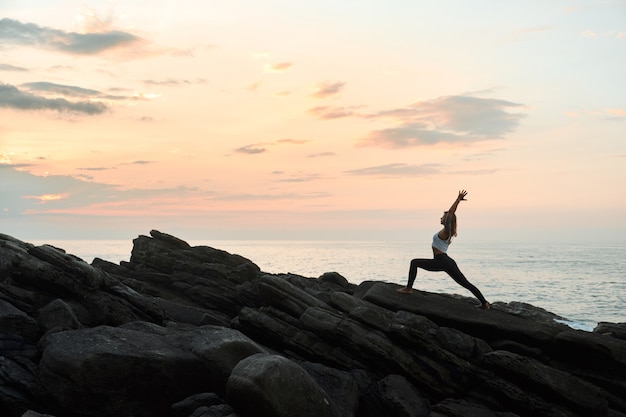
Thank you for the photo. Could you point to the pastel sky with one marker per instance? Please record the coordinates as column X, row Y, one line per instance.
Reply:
column 312, row 119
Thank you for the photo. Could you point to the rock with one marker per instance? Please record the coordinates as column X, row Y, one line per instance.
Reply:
column 189, row 405
column 93, row 371
column 341, row 386
column 616, row 330
column 461, row 408
column 107, row 371
column 221, row 349
column 31, row 413
column 462, row 316
column 19, row 387
column 394, row 396
column 181, row 331
column 543, row 380
column 57, row 315
column 15, row 321
column 272, row 386
column 280, row 293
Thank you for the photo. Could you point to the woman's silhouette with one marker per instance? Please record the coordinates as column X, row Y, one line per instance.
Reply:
column 441, row 261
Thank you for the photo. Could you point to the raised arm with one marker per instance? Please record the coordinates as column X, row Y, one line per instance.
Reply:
column 460, row 198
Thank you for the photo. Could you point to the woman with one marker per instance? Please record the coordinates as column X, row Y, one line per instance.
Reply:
column 441, row 261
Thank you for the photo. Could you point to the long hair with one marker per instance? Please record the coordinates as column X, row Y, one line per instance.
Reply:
column 450, row 225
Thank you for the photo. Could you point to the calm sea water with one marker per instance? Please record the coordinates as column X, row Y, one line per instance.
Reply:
column 585, row 283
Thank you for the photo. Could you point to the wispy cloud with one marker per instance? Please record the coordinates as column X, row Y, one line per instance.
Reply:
column 139, row 162
column 258, row 148
column 270, row 196
column 327, row 89
column 450, row 119
column 291, row 141
column 29, row 34
column 589, row 34
column 321, row 154
column 24, row 193
column 616, row 114
column 250, row 149
column 172, row 82
column 12, row 97
column 66, row 90
column 397, row 170
column 43, row 95
column 277, row 68
column 7, row 67
column 328, row 112
column 300, row 177
column 94, row 168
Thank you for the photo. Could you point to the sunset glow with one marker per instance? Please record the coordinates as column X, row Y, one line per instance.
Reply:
column 293, row 119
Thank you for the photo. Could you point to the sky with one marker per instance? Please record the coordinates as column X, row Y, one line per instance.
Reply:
column 290, row 119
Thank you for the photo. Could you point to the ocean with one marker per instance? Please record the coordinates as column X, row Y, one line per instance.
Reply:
column 584, row 283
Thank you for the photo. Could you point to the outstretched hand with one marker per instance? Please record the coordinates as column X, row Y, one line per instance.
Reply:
column 462, row 195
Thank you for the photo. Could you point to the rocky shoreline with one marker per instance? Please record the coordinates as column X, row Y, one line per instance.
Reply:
column 186, row 331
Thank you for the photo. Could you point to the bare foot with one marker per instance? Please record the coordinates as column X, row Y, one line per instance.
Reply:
column 484, row 306
column 405, row 290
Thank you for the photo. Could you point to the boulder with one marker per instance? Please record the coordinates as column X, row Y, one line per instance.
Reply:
column 394, row 396
column 543, row 380
column 267, row 385
column 15, row 321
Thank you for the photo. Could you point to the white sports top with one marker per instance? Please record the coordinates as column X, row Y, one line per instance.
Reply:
column 440, row 244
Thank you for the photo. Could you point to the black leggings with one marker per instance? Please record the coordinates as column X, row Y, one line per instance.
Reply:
column 442, row 262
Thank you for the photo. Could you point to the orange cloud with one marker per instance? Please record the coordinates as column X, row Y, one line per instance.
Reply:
column 327, row 88
column 277, row 68
column 44, row 198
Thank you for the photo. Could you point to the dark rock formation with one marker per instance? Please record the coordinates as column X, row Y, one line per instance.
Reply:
column 187, row 331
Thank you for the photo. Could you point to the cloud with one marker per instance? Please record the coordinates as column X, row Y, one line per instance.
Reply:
column 174, row 82
column 450, row 119
column 14, row 98
column 280, row 67
column 271, row 197
column 397, row 170
column 94, row 168
column 250, row 149
column 46, row 197
column 139, row 162
column 29, row 34
column 327, row 89
column 297, row 178
column 321, row 154
column 589, row 34
column 257, row 148
column 615, row 114
column 24, row 194
column 327, row 113
column 45, row 95
column 291, row 141
column 254, row 87
column 6, row 163
column 66, row 90
column 7, row 67
column 487, row 171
